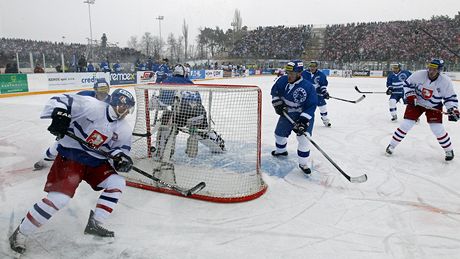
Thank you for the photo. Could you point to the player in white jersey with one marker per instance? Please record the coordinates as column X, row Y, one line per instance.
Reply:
column 101, row 93
column 103, row 127
column 426, row 92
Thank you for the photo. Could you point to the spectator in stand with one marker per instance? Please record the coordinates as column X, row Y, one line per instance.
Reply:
column 117, row 67
column 187, row 70
column 163, row 71
column 90, row 67
column 38, row 69
column 105, row 66
column 81, row 64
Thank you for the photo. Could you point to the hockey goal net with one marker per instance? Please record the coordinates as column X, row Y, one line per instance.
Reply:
column 186, row 134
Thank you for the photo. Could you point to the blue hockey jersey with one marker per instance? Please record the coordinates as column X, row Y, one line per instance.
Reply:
column 300, row 96
column 396, row 81
column 318, row 79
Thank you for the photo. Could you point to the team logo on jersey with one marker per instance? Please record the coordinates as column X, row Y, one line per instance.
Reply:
column 427, row 93
column 300, row 95
column 402, row 77
column 96, row 139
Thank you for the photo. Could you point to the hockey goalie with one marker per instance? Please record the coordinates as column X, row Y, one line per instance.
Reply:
column 181, row 112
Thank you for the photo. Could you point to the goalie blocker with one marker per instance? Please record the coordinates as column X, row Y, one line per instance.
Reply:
column 179, row 136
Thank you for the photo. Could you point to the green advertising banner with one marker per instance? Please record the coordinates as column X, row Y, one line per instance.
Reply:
column 13, row 83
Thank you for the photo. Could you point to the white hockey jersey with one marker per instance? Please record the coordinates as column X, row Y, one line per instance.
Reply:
column 93, row 121
column 432, row 93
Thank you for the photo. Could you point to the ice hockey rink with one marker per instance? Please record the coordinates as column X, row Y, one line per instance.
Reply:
column 408, row 208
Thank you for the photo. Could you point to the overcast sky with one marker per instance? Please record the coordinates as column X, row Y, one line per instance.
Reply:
column 119, row 19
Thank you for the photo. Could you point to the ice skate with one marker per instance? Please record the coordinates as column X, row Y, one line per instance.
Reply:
column 94, row 228
column 42, row 163
column 18, row 241
column 326, row 122
column 389, row 150
column 449, row 155
column 285, row 153
column 305, row 169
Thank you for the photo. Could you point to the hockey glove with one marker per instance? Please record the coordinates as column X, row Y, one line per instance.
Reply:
column 389, row 91
column 61, row 122
column 411, row 98
column 301, row 126
column 325, row 94
column 454, row 114
column 122, row 162
column 279, row 106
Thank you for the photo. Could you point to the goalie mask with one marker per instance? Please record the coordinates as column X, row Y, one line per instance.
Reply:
column 122, row 102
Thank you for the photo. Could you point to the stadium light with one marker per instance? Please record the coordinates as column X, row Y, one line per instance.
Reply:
column 90, row 2
column 160, row 18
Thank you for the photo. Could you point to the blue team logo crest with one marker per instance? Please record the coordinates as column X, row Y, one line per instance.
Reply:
column 316, row 80
column 402, row 77
column 300, row 95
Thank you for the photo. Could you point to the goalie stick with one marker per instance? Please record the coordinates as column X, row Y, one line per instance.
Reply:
column 184, row 192
column 350, row 101
column 368, row 92
column 356, row 179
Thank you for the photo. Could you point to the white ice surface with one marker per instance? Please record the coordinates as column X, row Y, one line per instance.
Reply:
column 409, row 207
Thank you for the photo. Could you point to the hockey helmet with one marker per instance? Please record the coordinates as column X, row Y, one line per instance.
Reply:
column 101, row 86
column 313, row 63
column 294, row 66
column 122, row 101
column 436, row 64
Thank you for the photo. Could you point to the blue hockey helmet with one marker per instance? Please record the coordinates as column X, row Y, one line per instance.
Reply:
column 436, row 64
column 101, row 86
column 294, row 66
column 122, row 101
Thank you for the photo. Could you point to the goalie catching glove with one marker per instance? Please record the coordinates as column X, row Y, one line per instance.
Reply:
column 61, row 122
column 279, row 106
column 301, row 126
column 454, row 114
column 122, row 162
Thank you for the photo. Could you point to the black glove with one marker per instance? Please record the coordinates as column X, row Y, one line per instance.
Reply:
column 389, row 92
column 122, row 162
column 61, row 122
column 454, row 114
column 301, row 126
column 279, row 106
column 325, row 94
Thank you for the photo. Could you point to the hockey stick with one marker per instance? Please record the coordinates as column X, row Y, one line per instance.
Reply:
column 184, row 192
column 350, row 101
column 357, row 179
column 432, row 109
column 367, row 92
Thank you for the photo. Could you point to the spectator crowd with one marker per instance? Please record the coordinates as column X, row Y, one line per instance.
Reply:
column 404, row 41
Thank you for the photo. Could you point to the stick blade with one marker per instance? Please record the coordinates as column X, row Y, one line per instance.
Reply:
column 196, row 189
column 359, row 179
column 360, row 98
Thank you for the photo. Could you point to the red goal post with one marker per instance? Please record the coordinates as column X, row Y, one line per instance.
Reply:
column 223, row 149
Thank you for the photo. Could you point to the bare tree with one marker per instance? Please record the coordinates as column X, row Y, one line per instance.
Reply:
column 172, row 46
column 132, row 42
column 147, row 43
column 185, row 35
column 237, row 21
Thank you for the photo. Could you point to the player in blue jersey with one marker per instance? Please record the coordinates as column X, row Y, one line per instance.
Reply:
column 296, row 96
column 395, row 82
column 319, row 81
column 101, row 93
column 427, row 91
column 102, row 126
column 163, row 71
